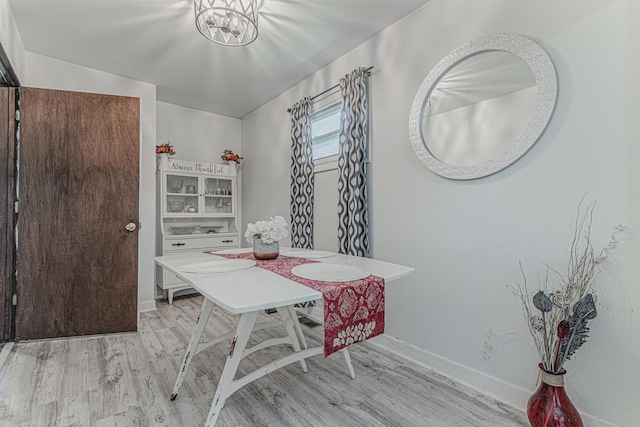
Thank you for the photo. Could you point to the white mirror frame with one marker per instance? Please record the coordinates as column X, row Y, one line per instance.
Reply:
column 547, row 86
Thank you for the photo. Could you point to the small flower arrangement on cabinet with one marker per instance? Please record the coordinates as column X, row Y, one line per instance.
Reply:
column 230, row 156
column 166, row 148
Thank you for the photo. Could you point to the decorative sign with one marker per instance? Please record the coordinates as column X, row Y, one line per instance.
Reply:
column 200, row 167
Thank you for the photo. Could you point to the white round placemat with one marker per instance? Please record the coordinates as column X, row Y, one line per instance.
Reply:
column 326, row 272
column 306, row 253
column 218, row 266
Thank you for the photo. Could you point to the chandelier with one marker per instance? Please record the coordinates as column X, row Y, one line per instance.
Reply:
column 227, row 22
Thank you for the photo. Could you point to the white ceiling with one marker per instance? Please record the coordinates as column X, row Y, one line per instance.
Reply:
column 156, row 41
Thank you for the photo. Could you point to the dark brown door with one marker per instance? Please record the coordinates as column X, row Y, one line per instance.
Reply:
column 78, row 189
column 7, row 216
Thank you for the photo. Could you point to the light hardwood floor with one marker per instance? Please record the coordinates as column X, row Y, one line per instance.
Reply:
column 126, row 379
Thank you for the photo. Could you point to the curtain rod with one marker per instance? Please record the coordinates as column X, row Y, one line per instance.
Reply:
column 366, row 70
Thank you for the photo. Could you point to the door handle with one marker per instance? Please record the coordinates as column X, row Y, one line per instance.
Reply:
column 131, row 227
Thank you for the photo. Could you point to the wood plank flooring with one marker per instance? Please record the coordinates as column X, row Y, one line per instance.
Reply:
column 126, row 379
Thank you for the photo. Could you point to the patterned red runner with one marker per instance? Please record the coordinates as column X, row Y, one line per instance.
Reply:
column 353, row 311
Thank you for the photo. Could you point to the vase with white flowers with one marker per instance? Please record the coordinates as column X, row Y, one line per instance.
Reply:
column 265, row 237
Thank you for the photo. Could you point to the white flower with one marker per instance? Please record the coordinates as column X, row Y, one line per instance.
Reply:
column 561, row 299
column 269, row 231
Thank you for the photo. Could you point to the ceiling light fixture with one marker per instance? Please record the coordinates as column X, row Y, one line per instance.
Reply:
column 227, row 22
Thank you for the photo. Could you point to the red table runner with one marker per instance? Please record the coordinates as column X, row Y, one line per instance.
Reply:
column 353, row 311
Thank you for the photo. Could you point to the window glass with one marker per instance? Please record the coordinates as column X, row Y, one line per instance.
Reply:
column 325, row 126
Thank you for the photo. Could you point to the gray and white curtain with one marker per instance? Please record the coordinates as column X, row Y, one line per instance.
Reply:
column 353, row 228
column 301, row 175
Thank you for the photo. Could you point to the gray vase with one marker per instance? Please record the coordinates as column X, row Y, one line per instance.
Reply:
column 263, row 250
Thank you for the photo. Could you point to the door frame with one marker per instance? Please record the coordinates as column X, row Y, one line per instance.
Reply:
column 8, row 218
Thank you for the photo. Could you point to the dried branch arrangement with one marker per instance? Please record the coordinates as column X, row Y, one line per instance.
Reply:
column 559, row 319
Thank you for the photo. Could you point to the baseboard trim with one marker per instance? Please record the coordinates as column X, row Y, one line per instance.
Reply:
column 488, row 385
column 4, row 353
column 464, row 375
column 149, row 305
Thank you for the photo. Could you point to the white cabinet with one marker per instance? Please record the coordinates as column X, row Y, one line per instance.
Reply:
column 197, row 211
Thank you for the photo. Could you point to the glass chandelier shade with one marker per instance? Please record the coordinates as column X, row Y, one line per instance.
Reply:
column 227, row 22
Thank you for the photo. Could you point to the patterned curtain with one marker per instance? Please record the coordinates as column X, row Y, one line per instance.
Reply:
column 301, row 176
column 353, row 229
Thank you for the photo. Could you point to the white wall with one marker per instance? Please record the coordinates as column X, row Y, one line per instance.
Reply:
column 266, row 179
column 197, row 135
column 11, row 41
column 45, row 72
column 466, row 238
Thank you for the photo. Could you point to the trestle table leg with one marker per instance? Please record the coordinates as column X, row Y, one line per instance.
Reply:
column 207, row 307
column 287, row 320
column 347, row 358
column 245, row 326
column 296, row 323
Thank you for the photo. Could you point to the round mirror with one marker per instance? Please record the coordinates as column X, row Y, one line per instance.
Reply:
column 483, row 106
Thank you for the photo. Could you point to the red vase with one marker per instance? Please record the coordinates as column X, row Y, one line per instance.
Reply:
column 550, row 406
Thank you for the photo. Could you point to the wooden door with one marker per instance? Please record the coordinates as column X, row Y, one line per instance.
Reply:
column 78, row 189
column 7, row 216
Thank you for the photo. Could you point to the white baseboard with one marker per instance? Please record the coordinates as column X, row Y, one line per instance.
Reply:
column 149, row 305
column 488, row 385
column 4, row 353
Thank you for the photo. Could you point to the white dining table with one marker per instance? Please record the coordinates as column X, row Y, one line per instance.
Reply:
column 247, row 292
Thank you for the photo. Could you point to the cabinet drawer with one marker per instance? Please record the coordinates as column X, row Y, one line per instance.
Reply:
column 186, row 243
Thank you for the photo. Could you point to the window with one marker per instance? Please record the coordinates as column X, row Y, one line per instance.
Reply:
column 325, row 126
